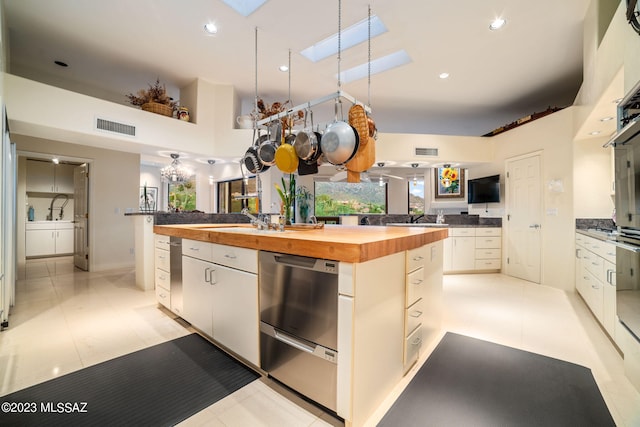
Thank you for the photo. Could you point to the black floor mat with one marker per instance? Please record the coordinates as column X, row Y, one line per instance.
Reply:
column 158, row 386
column 469, row 382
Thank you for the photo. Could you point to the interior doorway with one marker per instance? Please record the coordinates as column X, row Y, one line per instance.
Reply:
column 524, row 217
column 52, row 200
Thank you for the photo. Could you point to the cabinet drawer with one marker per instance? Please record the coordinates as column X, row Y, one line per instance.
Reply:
column 161, row 241
column 488, row 264
column 488, row 242
column 163, row 278
column 594, row 265
column 163, row 296
column 416, row 258
column 487, row 253
column 415, row 284
column 413, row 316
column 462, row 232
column 484, row 231
column 605, row 250
column 197, row 249
column 412, row 346
column 162, row 259
column 235, row 257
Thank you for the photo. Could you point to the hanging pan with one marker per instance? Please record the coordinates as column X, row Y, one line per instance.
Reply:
column 306, row 143
column 340, row 141
column 267, row 148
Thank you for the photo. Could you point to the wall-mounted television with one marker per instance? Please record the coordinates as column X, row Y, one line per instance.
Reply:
column 484, row 190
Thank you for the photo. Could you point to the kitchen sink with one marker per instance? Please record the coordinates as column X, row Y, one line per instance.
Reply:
column 245, row 230
column 416, row 224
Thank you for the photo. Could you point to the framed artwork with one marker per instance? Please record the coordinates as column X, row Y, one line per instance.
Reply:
column 148, row 199
column 449, row 183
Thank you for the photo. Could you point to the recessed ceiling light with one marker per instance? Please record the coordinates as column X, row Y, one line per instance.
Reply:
column 61, row 63
column 444, row 75
column 245, row 7
column 55, row 160
column 606, row 119
column 355, row 34
column 210, row 28
column 283, row 68
column 379, row 65
column 595, row 132
column 497, row 23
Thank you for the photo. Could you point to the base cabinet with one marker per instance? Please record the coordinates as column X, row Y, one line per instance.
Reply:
column 596, row 280
column 471, row 249
column 48, row 239
column 222, row 302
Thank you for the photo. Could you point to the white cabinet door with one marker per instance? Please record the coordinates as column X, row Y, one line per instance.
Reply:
column 64, row 241
column 235, row 311
column 197, row 293
column 63, row 178
column 609, row 302
column 40, row 176
column 463, row 254
column 40, row 242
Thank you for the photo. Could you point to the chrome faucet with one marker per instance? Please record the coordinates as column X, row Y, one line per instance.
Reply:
column 262, row 221
column 66, row 200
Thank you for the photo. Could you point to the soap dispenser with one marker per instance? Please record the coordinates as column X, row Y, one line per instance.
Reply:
column 31, row 213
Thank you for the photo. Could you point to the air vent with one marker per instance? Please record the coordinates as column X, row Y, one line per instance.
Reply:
column 421, row 151
column 115, row 127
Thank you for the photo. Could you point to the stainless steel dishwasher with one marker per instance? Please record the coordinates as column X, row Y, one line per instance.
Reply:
column 175, row 263
column 299, row 323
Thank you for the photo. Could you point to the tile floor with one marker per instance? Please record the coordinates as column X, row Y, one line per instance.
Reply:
column 65, row 319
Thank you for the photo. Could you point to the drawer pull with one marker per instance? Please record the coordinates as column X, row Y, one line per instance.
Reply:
column 595, row 286
column 194, row 249
column 416, row 314
column 161, row 277
column 418, row 258
column 416, row 341
column 163, row 296
column 417, row 282
column 161, row 256
column 230, row 256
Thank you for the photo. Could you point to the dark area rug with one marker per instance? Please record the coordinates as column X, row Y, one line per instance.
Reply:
column 157, row 386
column 469, row 382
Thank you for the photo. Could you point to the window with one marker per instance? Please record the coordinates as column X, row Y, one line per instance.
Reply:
column 340, row 198
column 235, row 195
column 416, row 197
column 182, row 196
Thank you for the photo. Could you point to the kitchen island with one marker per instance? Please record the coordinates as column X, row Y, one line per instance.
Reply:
column 388, row 302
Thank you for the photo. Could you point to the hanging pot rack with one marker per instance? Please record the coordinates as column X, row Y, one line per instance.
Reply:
column 339, row 95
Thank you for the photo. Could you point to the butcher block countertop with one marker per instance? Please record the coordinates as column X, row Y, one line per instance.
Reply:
column 335, row 242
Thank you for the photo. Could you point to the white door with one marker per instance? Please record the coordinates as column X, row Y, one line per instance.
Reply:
column 524, row 218
column 81, row 217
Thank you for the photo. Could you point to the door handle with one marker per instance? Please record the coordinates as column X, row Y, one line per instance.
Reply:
column 207, row 277
column 212, row 278
column 536, row 226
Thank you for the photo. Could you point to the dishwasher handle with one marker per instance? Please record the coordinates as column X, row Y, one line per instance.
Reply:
column 293, row 342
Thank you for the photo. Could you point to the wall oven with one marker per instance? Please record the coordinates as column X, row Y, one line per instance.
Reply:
column 627, row 184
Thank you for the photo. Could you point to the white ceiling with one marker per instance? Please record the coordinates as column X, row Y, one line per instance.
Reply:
column 114, row 47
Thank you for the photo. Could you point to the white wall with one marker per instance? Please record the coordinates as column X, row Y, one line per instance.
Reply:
column 592, row 179
column 114, row 179
column 553, row 136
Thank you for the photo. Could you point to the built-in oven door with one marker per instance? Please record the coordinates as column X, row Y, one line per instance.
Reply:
column 627, row 175
column 628, row 286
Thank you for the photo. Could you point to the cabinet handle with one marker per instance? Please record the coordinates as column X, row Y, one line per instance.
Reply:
column 207, row 278
column 578, row 253
column 161, row 256
column 417, row 282
column 161, row 277
column 416, row 314
column 418, row 258
column 194, row 249
column 417, row 341
column 230, row 256
column 212, row 279
column 595, row 286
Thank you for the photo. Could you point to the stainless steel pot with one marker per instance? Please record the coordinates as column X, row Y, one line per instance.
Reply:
column 306, row 143
column 339, row 143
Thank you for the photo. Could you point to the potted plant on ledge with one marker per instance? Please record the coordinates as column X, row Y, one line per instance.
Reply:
column 154, row 100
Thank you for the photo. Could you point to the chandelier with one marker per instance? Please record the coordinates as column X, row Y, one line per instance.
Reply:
column 175, row 172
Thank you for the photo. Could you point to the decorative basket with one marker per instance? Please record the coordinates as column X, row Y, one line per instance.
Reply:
column 154, row 107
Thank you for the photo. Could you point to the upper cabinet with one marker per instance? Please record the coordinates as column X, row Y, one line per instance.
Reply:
column 47, row 177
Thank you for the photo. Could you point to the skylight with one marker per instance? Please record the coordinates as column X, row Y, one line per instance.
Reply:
column 245, row 7
column 355, row 34
column 379, row 65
